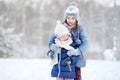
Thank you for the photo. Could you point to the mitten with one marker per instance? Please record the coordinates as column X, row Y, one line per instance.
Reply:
column 73, row 52
column 55, row 48
column 50, row 54
column 67, row 61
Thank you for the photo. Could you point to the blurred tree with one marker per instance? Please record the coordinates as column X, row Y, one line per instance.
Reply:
column 36, row 19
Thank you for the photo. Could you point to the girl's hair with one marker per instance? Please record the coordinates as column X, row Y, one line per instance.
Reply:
column 76, row 26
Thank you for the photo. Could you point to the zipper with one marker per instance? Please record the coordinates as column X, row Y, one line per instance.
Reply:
column 59, row 65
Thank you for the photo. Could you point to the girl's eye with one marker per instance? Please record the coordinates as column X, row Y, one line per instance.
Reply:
column 68, row 18
column 73, row 18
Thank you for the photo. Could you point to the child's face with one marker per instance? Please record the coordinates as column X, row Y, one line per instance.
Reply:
column 64, row 37
column 71, row 20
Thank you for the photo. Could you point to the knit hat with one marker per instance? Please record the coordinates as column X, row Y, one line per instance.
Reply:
column 72, row 10
column 60, row 29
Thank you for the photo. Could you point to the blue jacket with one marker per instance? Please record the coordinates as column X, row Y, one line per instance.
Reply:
column 59, row 70
column 80, row 33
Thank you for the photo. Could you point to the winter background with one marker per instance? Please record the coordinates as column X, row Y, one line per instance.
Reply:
column 26, row 26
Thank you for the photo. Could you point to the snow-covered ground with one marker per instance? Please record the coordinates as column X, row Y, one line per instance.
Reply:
column 39, row 69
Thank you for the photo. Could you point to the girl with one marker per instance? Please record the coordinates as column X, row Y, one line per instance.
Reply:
column 71, row 21
column 71, row 18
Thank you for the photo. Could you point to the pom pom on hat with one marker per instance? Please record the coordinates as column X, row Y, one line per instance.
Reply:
column 60, row 29
column 72, row 10
column 72, row 4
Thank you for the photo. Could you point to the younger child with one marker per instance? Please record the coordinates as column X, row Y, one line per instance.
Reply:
column 63, row 63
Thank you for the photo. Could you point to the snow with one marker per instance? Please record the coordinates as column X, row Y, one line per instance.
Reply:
column 101, row 70
column 109, row 54
column 39, row 69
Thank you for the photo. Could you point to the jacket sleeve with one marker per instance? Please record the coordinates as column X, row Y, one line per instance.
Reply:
column 84, row 41
column 51, row 40
column 75, row 58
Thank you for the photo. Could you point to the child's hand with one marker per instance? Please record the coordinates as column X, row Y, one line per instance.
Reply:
column 66, row 62
column 55, row 48
column 73, row 52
